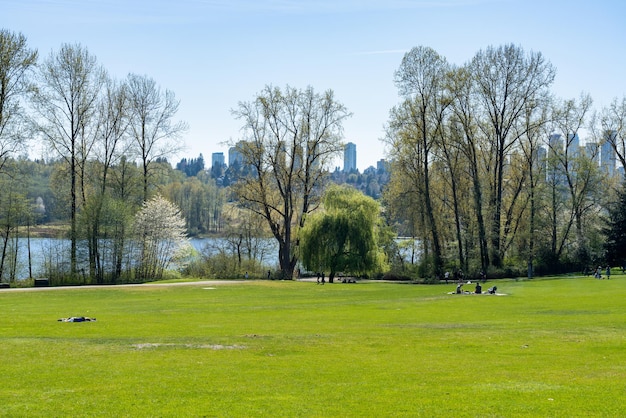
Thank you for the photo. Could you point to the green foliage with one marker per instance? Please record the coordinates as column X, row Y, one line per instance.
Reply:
column 615, row 231
column 200, row 202
column 345, row 236
column 551, row 347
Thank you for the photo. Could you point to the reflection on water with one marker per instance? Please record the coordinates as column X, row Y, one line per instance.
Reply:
column 56, row 251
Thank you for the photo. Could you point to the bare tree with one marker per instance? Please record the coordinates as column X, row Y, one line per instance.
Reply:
column 418, row 125
column 66, row 102
column 291, row 137
column 576, row 170
column 506, row 79
column 613, row 121
column 16, row 63
column 110, row 145
column 465, row 122
column 152, row 123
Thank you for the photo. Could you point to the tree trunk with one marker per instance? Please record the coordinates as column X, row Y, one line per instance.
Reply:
column 531, row 226
column 73, row 234
column 496, row 255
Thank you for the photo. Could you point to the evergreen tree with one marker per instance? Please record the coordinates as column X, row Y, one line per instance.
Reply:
column 615, row 246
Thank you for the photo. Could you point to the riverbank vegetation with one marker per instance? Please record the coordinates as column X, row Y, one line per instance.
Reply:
column 487, row 171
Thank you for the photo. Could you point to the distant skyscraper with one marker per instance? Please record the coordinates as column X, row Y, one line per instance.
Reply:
column 573, row 145
column 554, row 173
column 591, row 151
column 349, row 157
column 217, row 158
column 541, row 158
column 235, row 155
column 555, row 144
column 607, row 154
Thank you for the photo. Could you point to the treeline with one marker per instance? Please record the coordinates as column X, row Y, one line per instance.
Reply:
column 104, row 145
column 35, row 201
column 489, row 169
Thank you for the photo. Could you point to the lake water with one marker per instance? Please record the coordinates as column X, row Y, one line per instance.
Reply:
column 56, row 249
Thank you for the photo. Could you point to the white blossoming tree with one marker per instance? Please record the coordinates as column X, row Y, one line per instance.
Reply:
column 160, row 235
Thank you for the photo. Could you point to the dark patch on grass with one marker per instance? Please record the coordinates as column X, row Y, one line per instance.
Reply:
column 572, row 312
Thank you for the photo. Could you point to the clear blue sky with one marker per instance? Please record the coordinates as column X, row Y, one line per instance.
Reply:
column 216, row 53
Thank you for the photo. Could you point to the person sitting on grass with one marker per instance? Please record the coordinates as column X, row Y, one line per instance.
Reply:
column 478, row 289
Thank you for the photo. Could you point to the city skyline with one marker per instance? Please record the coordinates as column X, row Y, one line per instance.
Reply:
column 213, row 54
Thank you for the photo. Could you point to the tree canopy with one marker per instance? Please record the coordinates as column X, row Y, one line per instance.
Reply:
column 615, row 245
column 343, row 237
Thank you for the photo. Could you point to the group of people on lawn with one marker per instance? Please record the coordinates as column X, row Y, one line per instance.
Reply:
column 477, row 290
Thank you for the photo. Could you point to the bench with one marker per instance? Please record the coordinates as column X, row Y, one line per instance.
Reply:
column 42, row 282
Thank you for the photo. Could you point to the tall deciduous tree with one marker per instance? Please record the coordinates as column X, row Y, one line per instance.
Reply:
column 506, row 80
column 615, row 230
column 464, row 129
column 16, row 63
column 291, row 137
column 112, row 122
column 576, row 171
column 416, row 126
column 344, row 236
column 613, row 121
column 152, row 126
column 69, row 88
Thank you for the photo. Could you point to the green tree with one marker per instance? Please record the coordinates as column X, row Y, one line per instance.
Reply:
column 344, row 237
column 197, row 200
column 615, row 230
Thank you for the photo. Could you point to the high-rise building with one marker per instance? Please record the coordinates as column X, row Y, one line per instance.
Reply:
column 234, row 155
column 541, row 159
column 573, row 145
column 607, row 153
column 555, row 145
column 554, row 173
column 217, row 159
column 349, row 157
column 591, row 151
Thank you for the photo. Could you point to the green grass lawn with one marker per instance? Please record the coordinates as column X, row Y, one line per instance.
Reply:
column 547, row 348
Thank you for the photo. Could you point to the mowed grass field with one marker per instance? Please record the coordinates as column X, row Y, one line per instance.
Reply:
column 547, row 348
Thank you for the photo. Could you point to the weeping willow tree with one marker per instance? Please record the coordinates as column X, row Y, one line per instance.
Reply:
column 345, row 236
